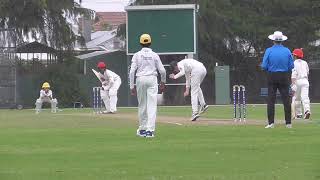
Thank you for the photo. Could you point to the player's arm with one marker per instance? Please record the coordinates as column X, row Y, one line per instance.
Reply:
column 181, row 72
column 188, row 82
column 161, row 69
column 291, row 61
column 133, row 70
column 294, row 76
column 265, row 61
column 41, row 95
column 188, row 79
column 50, row 95
column 162, row 72
column 110, row 76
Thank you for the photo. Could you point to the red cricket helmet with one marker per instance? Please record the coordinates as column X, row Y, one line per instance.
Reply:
column 298, row 53
column 101, row 65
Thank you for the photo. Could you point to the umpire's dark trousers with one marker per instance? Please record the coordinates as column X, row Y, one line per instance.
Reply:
column 281, row 81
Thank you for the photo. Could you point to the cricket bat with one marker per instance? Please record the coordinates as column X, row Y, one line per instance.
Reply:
column 98, row 75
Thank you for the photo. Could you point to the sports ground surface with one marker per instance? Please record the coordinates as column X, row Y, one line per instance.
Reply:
column 79, row 145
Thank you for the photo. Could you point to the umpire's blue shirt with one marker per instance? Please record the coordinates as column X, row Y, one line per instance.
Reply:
column 277, row 59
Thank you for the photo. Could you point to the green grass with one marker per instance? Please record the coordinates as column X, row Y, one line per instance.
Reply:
column 77, row 145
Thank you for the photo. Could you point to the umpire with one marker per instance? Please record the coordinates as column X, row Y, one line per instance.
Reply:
column 278, row 63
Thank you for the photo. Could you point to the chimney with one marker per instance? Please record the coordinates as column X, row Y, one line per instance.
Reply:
column 86, row 28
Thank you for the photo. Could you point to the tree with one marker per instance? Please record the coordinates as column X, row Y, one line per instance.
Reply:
column 229, row 28
column 234, row 32
column 43, row 20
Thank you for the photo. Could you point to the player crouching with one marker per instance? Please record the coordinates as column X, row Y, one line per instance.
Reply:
column 46, row 96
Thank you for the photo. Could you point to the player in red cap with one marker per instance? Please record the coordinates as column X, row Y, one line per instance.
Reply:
column 300, row 86
column 110, row 83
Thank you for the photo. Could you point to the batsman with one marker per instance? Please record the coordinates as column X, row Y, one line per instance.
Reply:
column 300, row 86
column 110, row 84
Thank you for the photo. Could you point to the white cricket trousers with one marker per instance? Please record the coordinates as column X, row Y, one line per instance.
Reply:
column 302, row 96
column 53, row 103
column 110, row 97
column 197, row 76
column 147, row 90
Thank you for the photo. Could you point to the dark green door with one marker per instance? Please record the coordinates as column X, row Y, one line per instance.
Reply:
column 222, row 84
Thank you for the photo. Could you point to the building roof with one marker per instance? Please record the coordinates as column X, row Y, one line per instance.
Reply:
column 34, row 47
column 109, row 18
column 103, row 40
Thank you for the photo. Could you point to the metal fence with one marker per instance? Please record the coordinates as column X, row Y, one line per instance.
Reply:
column 7, row 78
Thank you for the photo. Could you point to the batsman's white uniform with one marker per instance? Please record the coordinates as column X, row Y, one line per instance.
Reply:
column 110, row 90
column 46, row 97
column 194, row 72
column 145, row 64
column 301, row 87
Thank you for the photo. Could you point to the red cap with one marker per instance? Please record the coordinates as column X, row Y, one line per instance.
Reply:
column 298, row 53
column 101, row 65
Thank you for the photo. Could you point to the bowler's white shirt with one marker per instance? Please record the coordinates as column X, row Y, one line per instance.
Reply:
column 185, row 67
column 44, row 94
column 300, row 70
column 146, row 63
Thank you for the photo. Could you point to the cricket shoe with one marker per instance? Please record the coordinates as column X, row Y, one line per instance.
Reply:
column 289, row 126
column 203, row 108
column 141, row 133
column 269, row 126
column 307, row 115
column 149, row 134
column 195, row 116
column 108, row 112
column 299, row 116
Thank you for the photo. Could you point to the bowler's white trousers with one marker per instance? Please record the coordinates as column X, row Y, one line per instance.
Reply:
column 147, row 90
column 197, row 76
column 110, row 96
column 302, row 96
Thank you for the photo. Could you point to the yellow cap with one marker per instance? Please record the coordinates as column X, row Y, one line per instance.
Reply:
column 145, row 39
column 46, row 85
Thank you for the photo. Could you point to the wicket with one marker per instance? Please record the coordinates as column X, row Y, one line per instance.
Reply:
column 237, row 97
column 97, row 100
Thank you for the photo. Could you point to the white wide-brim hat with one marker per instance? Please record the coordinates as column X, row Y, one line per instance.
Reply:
column 277, row 36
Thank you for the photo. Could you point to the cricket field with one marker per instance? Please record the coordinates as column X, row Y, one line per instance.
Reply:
column 75, row 144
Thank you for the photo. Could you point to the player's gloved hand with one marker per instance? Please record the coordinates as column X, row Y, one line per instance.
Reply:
column 133, row 92
column 171, row 76
column 162, row 87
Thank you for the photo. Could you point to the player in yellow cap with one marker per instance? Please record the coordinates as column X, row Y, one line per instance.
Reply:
column 46, row 96
column 145, row 65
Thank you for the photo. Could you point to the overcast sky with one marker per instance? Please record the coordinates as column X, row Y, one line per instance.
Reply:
column 105, row 5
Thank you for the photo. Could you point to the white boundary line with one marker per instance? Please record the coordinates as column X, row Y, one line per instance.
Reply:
column 168, row 122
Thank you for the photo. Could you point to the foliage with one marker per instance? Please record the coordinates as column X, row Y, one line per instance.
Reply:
column 230, row 31
column 64, row 79
column 65, row 83
column 43, row 20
